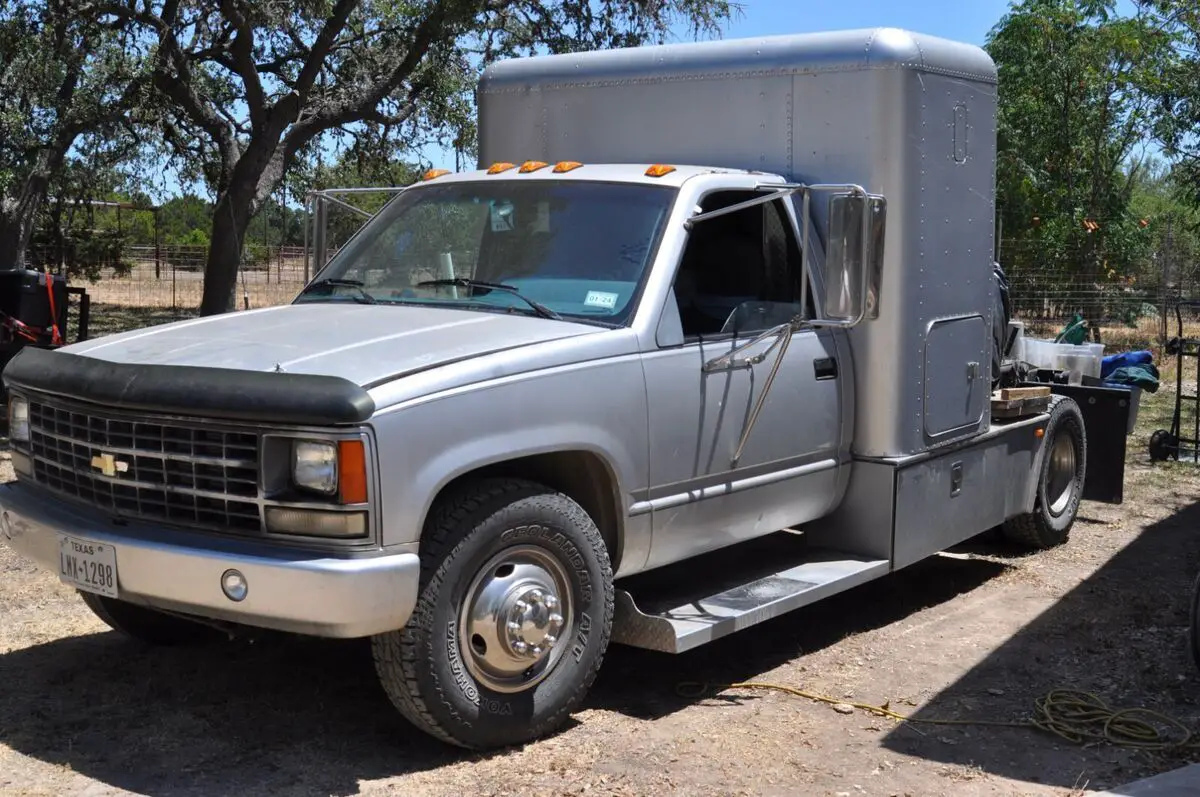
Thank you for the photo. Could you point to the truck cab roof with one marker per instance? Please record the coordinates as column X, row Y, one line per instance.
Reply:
column 604, row 172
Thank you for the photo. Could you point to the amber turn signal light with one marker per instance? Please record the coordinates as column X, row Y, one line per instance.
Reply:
column 352, row 472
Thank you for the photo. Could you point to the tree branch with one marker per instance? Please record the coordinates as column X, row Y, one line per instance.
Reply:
column 320, row 49
column 242, row 49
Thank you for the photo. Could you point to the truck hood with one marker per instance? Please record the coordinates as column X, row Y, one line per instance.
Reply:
column 365, row 344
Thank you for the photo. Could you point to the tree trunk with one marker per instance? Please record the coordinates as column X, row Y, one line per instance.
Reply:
column 16, row 227
column 17, row 214
column 231, row 217
column 253, row 178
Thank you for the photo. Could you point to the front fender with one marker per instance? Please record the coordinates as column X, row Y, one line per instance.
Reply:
column 426, row 443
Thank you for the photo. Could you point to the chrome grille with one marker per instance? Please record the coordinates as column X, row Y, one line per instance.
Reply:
column 188, row 475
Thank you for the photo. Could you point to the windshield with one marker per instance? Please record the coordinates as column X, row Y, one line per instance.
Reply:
column 578, row 248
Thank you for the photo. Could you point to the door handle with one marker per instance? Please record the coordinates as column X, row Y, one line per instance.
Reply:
column 825, row 368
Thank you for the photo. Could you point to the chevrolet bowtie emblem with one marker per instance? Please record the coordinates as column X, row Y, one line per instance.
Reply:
column 109, row 465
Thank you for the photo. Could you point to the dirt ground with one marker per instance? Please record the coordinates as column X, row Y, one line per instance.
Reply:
column 978, row 634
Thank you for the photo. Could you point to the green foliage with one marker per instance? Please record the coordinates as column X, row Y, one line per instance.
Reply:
column 1176, row 92
column 1073, row 111
column 69, row 92
column 248, row 89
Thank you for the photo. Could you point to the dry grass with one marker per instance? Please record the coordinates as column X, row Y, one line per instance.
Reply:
column 181, row 289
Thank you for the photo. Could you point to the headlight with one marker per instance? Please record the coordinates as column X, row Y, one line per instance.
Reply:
column 18, row 419
column 315, row 466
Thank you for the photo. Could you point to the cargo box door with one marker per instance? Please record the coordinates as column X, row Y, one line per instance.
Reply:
column 957, row 383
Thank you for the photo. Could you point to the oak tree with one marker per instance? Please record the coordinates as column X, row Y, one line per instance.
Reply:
column 250, row 88
column 69, row 90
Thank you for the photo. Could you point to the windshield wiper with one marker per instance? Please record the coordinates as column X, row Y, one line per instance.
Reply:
column 360, row 296
column 463, row 282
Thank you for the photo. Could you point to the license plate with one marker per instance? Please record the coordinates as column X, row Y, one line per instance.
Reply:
column 89, row 566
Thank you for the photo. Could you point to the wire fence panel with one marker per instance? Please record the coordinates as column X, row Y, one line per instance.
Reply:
column 173, row 277
column 1046, row 295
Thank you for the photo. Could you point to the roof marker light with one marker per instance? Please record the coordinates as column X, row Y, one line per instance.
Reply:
column 496, row 168
column 566, row 166
column 659, row 169
column 532, row 166
column 433, row 174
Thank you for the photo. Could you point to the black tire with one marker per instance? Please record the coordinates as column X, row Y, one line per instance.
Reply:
column 1060, row 481
column 1163, row 446
column 431, row 669
column 147, row 625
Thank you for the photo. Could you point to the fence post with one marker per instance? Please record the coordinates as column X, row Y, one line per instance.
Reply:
column 319, row 244
column 307, row 221
column 1168, row 245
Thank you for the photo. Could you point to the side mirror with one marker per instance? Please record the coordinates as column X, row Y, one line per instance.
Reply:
column 854, row 257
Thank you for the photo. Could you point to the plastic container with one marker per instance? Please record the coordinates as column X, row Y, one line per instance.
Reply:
column 1017, row 352
column 1081, row 360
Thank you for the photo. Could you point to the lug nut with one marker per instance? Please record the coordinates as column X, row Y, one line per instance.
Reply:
column 550, row 640
column 551, row 602
column 520, row 647
column 555, row 620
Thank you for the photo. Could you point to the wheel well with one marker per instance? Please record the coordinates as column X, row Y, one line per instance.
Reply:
column 581, row 475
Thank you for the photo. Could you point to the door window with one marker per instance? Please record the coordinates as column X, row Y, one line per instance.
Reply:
column 741, row 272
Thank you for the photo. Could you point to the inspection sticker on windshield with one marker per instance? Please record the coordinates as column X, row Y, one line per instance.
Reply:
column 502, row 217
column 601, row 299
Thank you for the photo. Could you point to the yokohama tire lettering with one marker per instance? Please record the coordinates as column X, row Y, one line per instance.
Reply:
column 461, row 679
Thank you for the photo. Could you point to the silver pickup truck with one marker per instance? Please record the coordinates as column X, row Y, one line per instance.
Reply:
column 588, row 392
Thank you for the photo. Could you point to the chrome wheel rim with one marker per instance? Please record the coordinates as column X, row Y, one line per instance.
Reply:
column 512, row 618
column 1060, row 481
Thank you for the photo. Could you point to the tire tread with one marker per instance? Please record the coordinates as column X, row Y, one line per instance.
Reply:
column 1029, row 530
column 398, row 656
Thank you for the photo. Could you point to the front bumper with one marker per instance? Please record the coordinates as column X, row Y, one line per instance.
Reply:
column 289, row 590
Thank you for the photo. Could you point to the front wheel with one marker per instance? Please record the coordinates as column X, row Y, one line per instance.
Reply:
column 512, row 621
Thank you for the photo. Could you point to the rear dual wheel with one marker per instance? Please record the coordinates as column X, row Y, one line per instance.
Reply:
column 512, row 620
column 1059, row 481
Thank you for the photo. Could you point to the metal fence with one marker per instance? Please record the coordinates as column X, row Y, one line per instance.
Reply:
column 1046, row 297
column 172, row 277
column 1137, row 308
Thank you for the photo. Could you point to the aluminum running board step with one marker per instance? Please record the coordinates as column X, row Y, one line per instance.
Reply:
column 682, row 606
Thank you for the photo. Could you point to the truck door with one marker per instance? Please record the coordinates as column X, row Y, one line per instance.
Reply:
column 739, row 275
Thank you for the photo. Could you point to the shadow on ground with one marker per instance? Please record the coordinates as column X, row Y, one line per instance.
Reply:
column 297, row 716
column 1120, row 634
column 646, row 684
column 281, row 715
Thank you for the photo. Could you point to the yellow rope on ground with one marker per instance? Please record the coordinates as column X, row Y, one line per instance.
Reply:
column 1078, row 717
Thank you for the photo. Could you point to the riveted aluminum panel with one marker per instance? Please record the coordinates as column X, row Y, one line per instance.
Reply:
column 956, row 393
column 902, row 114
column 948, row 497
